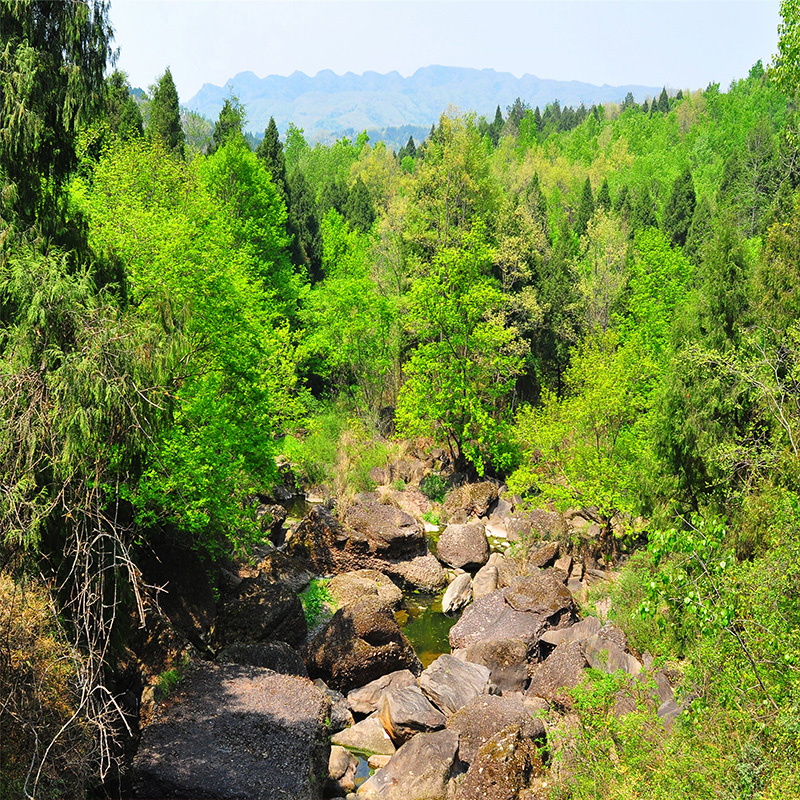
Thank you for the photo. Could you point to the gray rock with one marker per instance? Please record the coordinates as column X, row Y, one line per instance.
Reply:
column 482, row 718
column 458, row 594
column 604, row 655
column 277, row 656
column 342, row 767
column 506, row 659
column 562, row 670
column 361, row 643
column 463, row 546
column 575, row 633
column 367, row 736
column 387, row 531
column 542, row 592
column 407, row 712
column 228, row 721
column 542, row 556
column 341, row 716
column 471, row 499
column 506, row 764
column 367, row 699
column 507, row 568
column 451, row 683
column 350, row 587
column 420, row 770
column 485, row 581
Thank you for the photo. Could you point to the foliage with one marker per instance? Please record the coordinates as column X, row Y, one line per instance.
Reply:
column 316, row 600
column 434, row 487
column 164, row 118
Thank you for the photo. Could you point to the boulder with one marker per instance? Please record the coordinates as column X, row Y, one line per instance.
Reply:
column 471, row 499
column 420, row 770
column 451, row 683
column 542, row 593
column 367, row 736
column 410, row 500
column 236, row 729
column 604, row 655
column 378, row 762
column 574, row 633
column 277, row 656
column 350, row 587
column 562, row 670
column 485, row 581
column 482, row 718
column 367, row 699
column 507, row 568
column 407, row 712
column 423, row 572
column 341, row 716
column 463, row 546
column 260, row 610
column 506, row 764
column 342, row 767
column 360, row 643
column 386, row 531
column 458, row 594
column 543, row 555
column 506, row 660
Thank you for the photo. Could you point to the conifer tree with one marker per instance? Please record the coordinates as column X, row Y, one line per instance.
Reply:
column 270, row 151
column 604, row 197
column 585, row 209
column 164, row 124
column 663, row 101
column 680, row 208
column 230, row 122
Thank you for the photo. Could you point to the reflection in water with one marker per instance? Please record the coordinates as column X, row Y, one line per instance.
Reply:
column 426, row 626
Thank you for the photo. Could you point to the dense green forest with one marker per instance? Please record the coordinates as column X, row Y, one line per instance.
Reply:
column 598, row 306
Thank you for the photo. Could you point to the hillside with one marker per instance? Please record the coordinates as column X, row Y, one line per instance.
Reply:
column 329, row 105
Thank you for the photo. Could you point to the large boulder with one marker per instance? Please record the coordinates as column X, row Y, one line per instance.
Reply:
column 506, row 764
column 458, row 594
column 530, row 605
column 506, row 660
column 360, row 643
column 574, row 633
column 471, row 499
column 392, row 543
column 259, row 610
column 407, row 712
column 367, row 736
column 484, row 717
column 561, row 671
column 350, row 587
column 485, row 581
column 451, row 683
column 606, row 656
column 367, row 698
column 277, row 656
column 420, row 770
column 463, row 546
column 231, row 731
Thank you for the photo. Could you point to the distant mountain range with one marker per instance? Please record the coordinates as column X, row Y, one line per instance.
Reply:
column 328, row 106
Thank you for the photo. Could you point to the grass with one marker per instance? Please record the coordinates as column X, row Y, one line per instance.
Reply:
column 317, row 601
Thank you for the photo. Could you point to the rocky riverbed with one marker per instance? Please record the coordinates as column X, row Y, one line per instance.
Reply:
column 261, row 708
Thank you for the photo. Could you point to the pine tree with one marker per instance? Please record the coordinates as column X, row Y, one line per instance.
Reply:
column 359, row 210
column 604, row 197
column 663, row 101
column 164, row 124
column 680, row 207
column 644, row 214
column 230, row 122
column 122, row 111
column 645, row 107
column 270, row 151
column 585, row 209
column 496, row 126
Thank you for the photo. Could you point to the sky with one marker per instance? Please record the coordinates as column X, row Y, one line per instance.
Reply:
column 673, row 43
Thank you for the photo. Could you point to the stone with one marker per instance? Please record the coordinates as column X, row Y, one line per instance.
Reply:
column 360, row 643
column 420, row 770
column 604, row 655
column 458, row 594
column 463, row 546
column 485, row 581
column 505, row 765
column 482, row 718
column 378, row 762
column 226, row 721
column 506, row 659
column 407, row 712
column 367, row 736
column 471, row 499
column 562, row 670
column 564, row 563
column 342, row 767
column 260, row 610
column 543, row 555
column 423, row 572
column 385, row 530
column 542, row 592
column 348, row 588
column 367, row 699
column 507, row 568
column 496, row 527
column 341, row 716
column 574, row 633
column 450, row 683
column 277, row 656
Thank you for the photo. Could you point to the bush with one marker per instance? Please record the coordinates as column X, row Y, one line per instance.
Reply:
column 41, row 704
column 317, row 601
column 434, row 487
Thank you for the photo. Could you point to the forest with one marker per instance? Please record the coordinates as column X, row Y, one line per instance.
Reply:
column 598, row 307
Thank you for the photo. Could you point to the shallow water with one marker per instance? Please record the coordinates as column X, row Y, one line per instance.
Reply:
column 426, row 626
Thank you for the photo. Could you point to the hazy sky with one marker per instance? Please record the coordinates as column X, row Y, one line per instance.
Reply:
column 677, row 43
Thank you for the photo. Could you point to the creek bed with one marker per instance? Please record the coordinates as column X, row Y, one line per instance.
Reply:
column 426, row 626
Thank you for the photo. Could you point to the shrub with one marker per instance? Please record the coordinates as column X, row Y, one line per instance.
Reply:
column 317, row 601
column 434, row 487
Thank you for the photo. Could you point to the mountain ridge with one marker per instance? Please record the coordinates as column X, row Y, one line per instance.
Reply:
column 327, row 104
